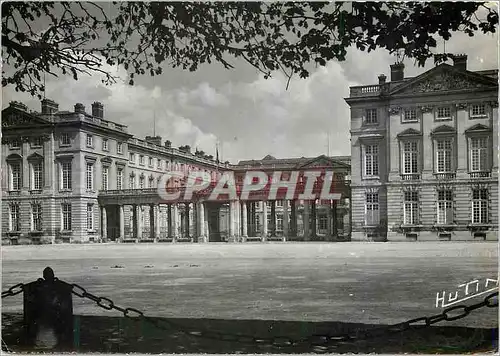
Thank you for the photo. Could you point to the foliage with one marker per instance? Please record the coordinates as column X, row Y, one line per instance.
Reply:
column 145, row 37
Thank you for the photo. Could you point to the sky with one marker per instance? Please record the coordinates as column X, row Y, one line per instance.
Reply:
column 250, row 116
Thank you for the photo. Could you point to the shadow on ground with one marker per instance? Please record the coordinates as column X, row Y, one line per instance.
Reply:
column 162, row 335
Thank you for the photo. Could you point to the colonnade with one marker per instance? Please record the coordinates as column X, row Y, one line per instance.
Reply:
column 244, row 220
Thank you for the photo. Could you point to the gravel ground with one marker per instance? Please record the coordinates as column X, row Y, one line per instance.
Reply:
column 372, row 283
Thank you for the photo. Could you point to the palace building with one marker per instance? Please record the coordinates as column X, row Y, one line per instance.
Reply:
column 424, row 155
column 73, row 176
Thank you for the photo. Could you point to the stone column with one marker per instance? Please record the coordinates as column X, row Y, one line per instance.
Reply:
column 273, row 218
column 285, row 220
column 245, row 221
column 314, row 233
column 201, row 223
column 139, row 222
column 237, row 219
column 329, row 221
column 248, row 209
column 231, row 221
column 334, row 219
column 206, row 230
column 186, row 214
column 169, row 221
column 305, row 218
column 122, row 223
column 104, row 223
column 157, row 221
column 264, row 221
column 175, row 222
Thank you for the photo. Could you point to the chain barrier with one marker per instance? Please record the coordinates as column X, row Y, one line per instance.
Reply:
column 323, row 340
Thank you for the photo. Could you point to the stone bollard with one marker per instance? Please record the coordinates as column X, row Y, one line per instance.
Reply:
column 48, row 313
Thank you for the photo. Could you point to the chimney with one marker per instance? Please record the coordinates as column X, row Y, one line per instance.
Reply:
column 460, row 61
column 49, row 106
column 381, row 79
column 18, row 105
column 98, row 110
column 154, row 140
column 397, row 72
column 79, row 108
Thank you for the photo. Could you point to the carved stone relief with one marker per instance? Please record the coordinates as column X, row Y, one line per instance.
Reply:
column 443, row 81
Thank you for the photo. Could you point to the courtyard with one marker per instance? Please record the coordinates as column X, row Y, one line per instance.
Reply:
column 368, row 283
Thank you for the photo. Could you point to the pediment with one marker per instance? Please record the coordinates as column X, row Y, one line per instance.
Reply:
column 478, row 128
column 12, row 117
column 35, row 157
column 409, row 132
column 13, row 157
column 444, row 78
column 443, row 130
column 323, row 161
column 106, row 160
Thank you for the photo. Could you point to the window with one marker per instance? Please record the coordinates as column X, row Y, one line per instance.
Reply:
column 90, row 216
column 371, row 116
column 322, row 222
column 141, row 182
column 37, row 142
column 131, row 182
column 279, row 222
column 480, row 206
column 409, row 115
column 15, row 176
column 160, row 164
column 151, row 161
column 15, row 143
column 119, row 179
column 257, row 223
column 131, row 157
column 410, row 157
column 90, row 176
column 36, row 217
column 443, row 113
column 445, row 207
column 105, row 171
column 279, row 203
column 65, row 139
column 37, row 176
column 371, row 160
column 15, row 218
column 443, row 156
column 66, row 216
column 105, row 144
column 141, row 160
column 372, row 209
column 410, row 208
column 90, row 141
column 119, row 147
column 478, row 110
column 66, row 175
column 478, row 154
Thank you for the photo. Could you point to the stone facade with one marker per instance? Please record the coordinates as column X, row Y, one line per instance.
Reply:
column 425, row 155
column 76, row 177
column 57, row 160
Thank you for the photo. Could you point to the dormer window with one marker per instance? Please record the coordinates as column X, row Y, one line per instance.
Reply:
column 443, row 113
column 65, row 139
column 371, row 116
column 15, row 143
column 410, row 115
column 478, row 111
column 90, row 140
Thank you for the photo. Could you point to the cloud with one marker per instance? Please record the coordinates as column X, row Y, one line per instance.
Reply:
column 249, row 115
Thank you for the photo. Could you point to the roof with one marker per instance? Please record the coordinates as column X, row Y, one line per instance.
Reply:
column 272, row 162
